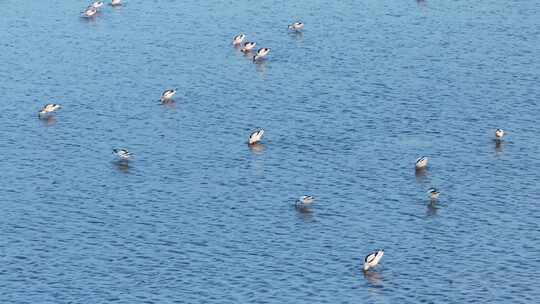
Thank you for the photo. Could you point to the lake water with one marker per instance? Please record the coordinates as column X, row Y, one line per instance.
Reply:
column 347, row 105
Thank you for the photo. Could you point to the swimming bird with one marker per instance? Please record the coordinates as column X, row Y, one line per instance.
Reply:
column 116, row 2
column 433, row 193
column 421, row 163
column 238, row 39
column 296, row 26
column 261, row 53
column 256, row 136
column 97, row 4
column 373, row 259
column 305, row 200
column 90, row 11
column 49, row 108
column 123, row 154
column 168, row 94
column 248, row 46
column 499, row 133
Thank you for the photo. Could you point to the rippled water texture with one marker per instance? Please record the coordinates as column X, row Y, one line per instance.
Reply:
column 347, row 105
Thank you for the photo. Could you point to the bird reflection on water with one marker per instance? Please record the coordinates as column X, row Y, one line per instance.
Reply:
column 122, row 166
column 257, row 148
column 373, row 277
column 91, row 19
column 297, row 35
column 304, row 212
column 421, row 176
column 498, row 146
column 49, row 120
column 261, row 67
column 248, row 54
column 432, row 209
column 171, row 104
column 257, row 162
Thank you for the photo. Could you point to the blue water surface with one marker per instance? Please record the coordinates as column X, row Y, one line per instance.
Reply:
column 347, row 105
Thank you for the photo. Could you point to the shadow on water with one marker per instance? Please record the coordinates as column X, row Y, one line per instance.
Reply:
column 421, row 2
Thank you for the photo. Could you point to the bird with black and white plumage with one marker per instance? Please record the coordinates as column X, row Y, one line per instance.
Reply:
column 433, row 193
column 248, row 46
column 421, row 163
column 499, row 134
column 261, row 53
column 116, row 2
column 237, row 40
column 168, row 94
column 296, row 26
column 372, row 259
column 256, row 136
column 305, row 200
column 97, row 4
column 49, row 108
column 122, row 154
column 89, row 12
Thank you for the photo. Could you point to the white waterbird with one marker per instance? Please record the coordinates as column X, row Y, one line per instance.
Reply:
column 248, row 46
column 256, row 136
column 237, row 40
column 168, row 94
column 123, row 154
column 90, row 12
column 433, row 193
column 261, row 53
column 421, row 163
column 296, row 26
column 305, row 200
column 373, row 259
column 97, row 4
column 49, row 108
column 499, row 134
